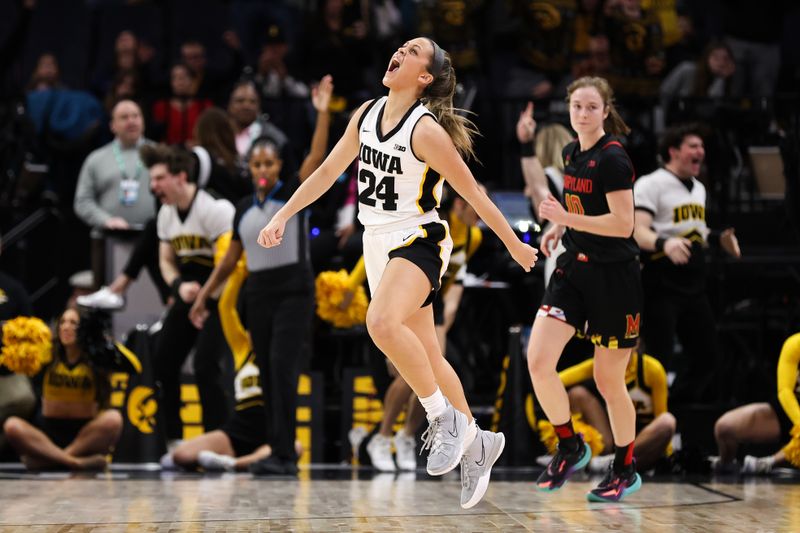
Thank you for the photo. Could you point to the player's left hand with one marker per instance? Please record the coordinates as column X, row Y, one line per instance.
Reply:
column 729, row 243
column 552, row 210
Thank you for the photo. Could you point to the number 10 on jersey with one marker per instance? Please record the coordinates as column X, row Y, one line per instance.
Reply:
column 383, row 191
column 573, row 202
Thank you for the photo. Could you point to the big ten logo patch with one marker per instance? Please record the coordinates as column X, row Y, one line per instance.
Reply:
column 365, row 409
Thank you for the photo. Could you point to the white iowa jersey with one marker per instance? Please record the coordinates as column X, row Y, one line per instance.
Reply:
column 393, row 184
column 677, row 209
column 192, row 236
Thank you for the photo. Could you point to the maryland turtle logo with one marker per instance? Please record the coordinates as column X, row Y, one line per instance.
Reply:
column 142, row 408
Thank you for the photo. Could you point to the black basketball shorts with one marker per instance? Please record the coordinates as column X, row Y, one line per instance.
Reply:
column 428, row 246
column 601, row 300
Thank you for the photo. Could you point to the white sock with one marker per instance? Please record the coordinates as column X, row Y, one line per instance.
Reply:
column 472, row 433
column 434, row 404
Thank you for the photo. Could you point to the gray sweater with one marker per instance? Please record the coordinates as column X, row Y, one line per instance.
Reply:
column 97, row 195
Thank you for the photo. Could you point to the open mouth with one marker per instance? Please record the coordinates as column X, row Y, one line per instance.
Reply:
column 393, row 65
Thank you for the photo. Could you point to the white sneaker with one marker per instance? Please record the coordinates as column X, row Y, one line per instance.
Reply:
column 444, row 440
column 758, row 466
column 216, row 462
column 599, row 464
column 379, row 449
column 102, row 299
column 405, row 446
column 476, row 466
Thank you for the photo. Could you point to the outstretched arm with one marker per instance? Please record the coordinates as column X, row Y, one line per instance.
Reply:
column 433, row 145
column 317, row 183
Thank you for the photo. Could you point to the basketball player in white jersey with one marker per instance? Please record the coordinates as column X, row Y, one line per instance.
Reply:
column 405, row 143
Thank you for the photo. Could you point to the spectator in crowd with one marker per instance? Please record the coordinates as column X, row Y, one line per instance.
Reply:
column 174, row 118
column 125, row 86
column 337, row 41
column 647, row 385
column 130, row 55
column 244, row 108
column 190, row 221
column 272, row 74
column 763, row 422
column 671, row 230
column 545, row 34
column 75, row 429
column 212, row 82
column 752, row 30
column 710, row 76
column 636, row 47
column 46, row 75
column 113, row 191
column 220, row 169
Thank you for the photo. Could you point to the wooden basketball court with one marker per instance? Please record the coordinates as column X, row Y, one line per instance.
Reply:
column 332, row 498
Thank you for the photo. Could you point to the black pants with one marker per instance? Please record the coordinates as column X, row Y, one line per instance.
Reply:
column 667, row 313
column 280, row 326
column 177, row 338
column 145, row 255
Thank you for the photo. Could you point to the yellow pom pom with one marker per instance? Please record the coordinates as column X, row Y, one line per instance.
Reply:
column 792, row 449
column 330, row 288
column 27, row 345
column 592, row 437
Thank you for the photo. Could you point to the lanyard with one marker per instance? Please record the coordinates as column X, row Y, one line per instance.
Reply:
column 121, row 163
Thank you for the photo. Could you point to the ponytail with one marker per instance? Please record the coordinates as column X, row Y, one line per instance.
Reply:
column 438, row 98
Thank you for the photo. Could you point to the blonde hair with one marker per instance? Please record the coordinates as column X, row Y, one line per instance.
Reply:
column 550, row 142
column 438, row 98
column 613, row 123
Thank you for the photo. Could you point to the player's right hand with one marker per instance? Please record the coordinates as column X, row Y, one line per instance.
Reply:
column 272, row 234
column 678, row 249
column 524, row 254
